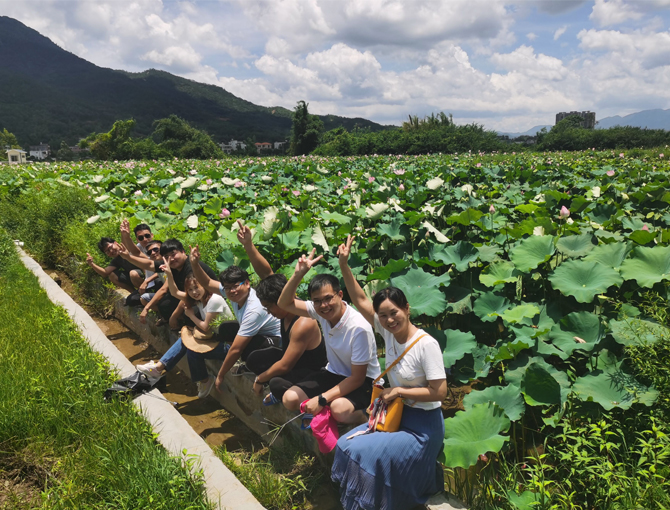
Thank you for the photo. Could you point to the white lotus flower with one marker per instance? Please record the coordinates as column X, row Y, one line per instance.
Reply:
column 538, row 231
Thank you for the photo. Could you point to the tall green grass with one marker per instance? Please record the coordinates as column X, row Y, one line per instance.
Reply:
column 92, row 454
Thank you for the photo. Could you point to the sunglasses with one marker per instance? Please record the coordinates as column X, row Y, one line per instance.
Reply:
column 143, row 237
column 232, row 288
column 153, row 250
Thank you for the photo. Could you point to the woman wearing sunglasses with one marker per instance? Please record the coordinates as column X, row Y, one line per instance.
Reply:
column 396, row 470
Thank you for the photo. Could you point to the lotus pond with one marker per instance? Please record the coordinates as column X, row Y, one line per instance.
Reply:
column 543, row 277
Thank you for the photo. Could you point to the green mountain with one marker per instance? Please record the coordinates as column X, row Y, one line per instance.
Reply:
column 48, row 95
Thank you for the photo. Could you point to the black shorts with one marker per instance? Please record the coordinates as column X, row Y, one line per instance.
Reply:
column 323, row 380
column 124, row 276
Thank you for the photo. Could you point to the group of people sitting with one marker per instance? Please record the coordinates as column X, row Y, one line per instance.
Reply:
column 315, row 356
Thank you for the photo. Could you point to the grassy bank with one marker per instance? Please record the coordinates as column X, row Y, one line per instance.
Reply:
column 59, row 441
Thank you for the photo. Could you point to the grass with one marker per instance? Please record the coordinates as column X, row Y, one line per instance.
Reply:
column 56, row 431
column 280, row 479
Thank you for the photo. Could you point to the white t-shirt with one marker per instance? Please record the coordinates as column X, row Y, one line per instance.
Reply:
column 350, row 342
column 216, row 304
column 254, row 319
column 423, row 363
column 147, row 272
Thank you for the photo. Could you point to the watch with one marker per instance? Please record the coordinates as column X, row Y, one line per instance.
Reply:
column 322, row 401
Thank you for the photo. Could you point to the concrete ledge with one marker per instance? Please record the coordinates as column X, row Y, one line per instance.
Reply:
column 174, row 433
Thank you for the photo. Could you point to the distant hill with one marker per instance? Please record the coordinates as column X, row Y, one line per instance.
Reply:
column 48, row 95
column 650, row 119
column 531, row 132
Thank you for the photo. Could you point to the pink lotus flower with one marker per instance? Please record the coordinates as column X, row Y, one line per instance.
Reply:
column 371, row 179
column 401, row 187
column 296, row 192
column 224, row 213
column 645, row 227
column 661, row 155
column 208, row 181
column 138, row 192
column 479, row 165
column 399, row 171
column 610, row 173
column 238, row 184
column 621, row 155
column 193, row 172
column 492, row 209
column 564, row 213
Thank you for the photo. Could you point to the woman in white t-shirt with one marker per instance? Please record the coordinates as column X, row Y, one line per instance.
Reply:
column 396, row 470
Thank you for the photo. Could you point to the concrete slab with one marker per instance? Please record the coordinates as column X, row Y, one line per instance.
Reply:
column 174, row 433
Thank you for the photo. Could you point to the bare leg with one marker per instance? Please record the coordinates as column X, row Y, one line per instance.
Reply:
column 136, row 279
column 293, row 397
column 344, row 412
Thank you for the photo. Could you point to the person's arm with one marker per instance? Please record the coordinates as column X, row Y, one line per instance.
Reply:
column 146, row 282
column 203, row 325
column 436, row 391
column 207, row 283
column 170, row 281
column 174, row 318
column 355, row 380
column 234, row 353
column 104, row 272
column 358, row 297
column 127, row 241
column 288, row 301
column 140, row 262
column 258, row 262
column 302, row 332
column 160, row 293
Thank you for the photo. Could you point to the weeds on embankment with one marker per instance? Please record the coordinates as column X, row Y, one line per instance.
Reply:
column 56, row 432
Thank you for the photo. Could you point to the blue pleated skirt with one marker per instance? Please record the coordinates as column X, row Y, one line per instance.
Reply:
column 391, row 471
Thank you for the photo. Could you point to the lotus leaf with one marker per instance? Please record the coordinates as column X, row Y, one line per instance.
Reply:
column 422, row 291
column 93, row 219
column 439, row 236
column 385, row 272
column 527, row 500
column 189, row 183
column 177, row 206
column 459, row 344
column 531, row 252
column 633, row 223
column 319, row 238
column 472, row 433
column 435, row 183
column 647, row 266
column 467, row 217
column 373, row 287
column 162, row 220
column 213, row 206
column 192, row 221
column 574, row 327
column 269, row 222
column 510, row 350
column 610, row 255
column 394, row 230
column 291, row 240
column 459, row 254
column 459, row 298
column 341, row 219
column 576, row 246
column 583, row 279
column 630, row 331
column 498, row 273
column 642, row 236
column 489, row 306
column 101, row 198
column 488, row 253
column 520, row 312
column 376, row 211
column 539, row 387
column 474, row 365
column 507, row 397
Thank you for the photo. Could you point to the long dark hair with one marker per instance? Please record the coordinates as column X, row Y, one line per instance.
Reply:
column 188, row 300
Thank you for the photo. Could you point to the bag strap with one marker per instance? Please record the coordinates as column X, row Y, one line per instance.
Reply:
column 398, row 358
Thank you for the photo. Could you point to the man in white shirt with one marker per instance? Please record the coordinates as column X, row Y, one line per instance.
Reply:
column 255, row 327
column 346, row 382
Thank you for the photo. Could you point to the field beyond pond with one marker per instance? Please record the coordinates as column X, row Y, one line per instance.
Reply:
column 544, row 278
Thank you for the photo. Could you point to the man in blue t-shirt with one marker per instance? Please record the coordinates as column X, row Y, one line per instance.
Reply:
column 255, row 327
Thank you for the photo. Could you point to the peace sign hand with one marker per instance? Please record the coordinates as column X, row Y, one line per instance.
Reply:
column 194, row 254
column 344, row 250
column 306, row 262
column 165, row 267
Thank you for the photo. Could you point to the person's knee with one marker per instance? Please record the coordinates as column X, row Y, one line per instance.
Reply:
column 291, row 399
column 114, row 278
column 136, row 278
column 342, row 409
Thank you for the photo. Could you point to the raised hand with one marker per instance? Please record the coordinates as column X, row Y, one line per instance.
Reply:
column 344, row 250
column 306, row 262
column 165, row 267
column 194, row 254
column 123, row 251
column 125, row 227
column 89, row 259
column 244, row 234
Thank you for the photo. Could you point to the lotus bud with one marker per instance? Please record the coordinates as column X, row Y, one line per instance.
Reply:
column 401, row 187
column 224, row 213
column 492, row 209
column 565, row 212
column 645, row 227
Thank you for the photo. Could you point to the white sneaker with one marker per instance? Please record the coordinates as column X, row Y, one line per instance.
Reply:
column 151, row 370
column 205, row 387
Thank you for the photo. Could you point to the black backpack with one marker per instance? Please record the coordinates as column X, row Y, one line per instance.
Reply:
column 133, row 386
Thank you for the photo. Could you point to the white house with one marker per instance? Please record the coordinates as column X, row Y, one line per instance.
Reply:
column 227, row 148
column 40, row 151
column 16, row 156
column 237, row 145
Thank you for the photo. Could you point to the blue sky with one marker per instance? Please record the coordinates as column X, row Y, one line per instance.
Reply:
column 509, row 65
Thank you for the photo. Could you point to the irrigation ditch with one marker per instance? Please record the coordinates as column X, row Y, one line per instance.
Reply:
column 234, row 423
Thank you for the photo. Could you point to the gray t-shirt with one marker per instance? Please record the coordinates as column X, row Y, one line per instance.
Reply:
column 254, row 319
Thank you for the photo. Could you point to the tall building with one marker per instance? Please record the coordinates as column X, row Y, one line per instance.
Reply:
column 588, row 118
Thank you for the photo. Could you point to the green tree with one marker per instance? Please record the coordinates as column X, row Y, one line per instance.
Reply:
column 8, row 140
column 115, row 144
column 306, row 130
column 178, row 138
column 65, row 153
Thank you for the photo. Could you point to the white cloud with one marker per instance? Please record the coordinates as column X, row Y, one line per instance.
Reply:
column 531, row 36
column 613, row 12
column 559, row 32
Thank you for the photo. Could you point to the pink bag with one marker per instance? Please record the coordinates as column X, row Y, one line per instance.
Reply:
column 324, row 428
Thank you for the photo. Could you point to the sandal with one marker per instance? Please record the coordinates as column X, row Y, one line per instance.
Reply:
column 270, row 400
column 305, row 423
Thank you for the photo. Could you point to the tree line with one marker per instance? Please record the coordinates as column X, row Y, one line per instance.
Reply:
column 175, row 137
